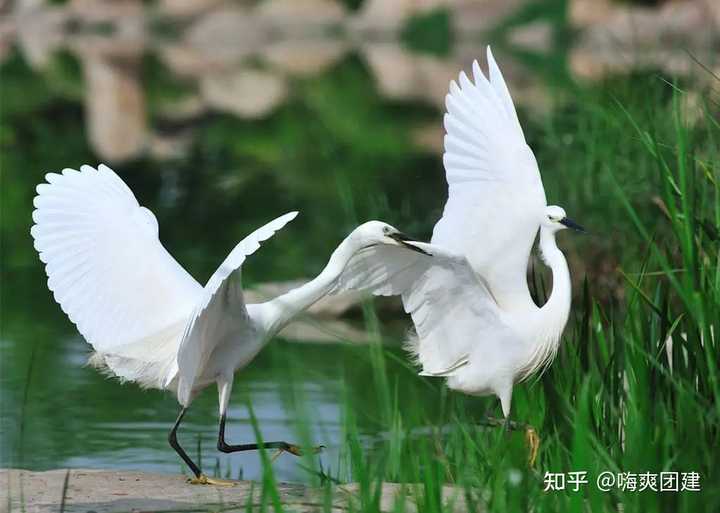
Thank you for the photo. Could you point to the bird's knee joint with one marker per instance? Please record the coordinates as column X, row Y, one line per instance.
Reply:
column 222, row 446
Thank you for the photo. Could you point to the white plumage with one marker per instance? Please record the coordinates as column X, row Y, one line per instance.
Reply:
column 495, row 196
column 109, row 272
column 220, row 312
column 148, row 320
column 475, row 321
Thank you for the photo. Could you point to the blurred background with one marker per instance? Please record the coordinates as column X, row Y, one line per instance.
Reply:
column 221, row 115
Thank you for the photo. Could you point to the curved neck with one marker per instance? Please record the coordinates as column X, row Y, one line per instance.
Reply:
column 554, row 313
column 557, row 308
column 276, row 313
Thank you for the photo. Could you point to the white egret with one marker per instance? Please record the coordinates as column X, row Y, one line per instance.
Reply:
column 476, row 323
column 147, row 319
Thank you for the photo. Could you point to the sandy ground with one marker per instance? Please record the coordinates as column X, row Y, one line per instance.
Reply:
column 106, row 491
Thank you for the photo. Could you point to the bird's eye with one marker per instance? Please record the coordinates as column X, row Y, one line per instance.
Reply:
column 386, row 230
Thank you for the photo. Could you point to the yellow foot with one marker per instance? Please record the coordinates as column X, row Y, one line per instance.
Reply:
column 295, row 450
column 202, row 479
column 533, row 441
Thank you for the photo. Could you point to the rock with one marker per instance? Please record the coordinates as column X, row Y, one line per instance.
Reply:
column 405, row 75
column 290, row 15
column 383, row 15
column 536, row 36
column 625, row 28
column 617, row 37
column 226, row 36
column 393, row 15
column 25, row 5
column 38, row 29
column 304, row 57
column 108, row 491
column 584, row 13
column 115, row 107
column 99, row 11
column 402, row 74
column 186, row 60
column 471, row 17
column 249, row 93
column 185, row 8
column 591, row 62
column 118, row 45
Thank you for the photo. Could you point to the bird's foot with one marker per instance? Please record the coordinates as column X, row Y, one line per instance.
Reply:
column 296, row 450
column 533, row 441
column 531, row 435
column 202, row 479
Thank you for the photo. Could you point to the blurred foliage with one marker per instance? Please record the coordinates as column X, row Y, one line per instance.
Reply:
column 353, row 5
column 161, row 87
column 65, row 75
column 429, row 32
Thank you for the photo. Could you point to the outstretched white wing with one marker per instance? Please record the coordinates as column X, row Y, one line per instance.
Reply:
column 382, row 270
column 451, row 308
column 495, row 195
column 221, row 296
column 105, row 263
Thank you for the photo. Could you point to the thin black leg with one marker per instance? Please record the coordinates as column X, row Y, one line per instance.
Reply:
column 172, row 438
column 224, row 447
column 505, row 423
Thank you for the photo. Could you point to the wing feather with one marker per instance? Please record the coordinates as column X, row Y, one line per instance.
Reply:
column 453, row 313
column 380, row 270
column 452, row 310
column 495, row 194
column 218, row 297
column 105, row 264
column 498, row 83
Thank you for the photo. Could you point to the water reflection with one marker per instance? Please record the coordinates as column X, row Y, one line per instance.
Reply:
column 57, row 412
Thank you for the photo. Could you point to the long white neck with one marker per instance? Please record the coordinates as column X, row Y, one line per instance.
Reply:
column 553, row 315
column 273, row 315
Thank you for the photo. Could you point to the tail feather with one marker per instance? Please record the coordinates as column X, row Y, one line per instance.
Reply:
column 412, row 346
column 420, row 356
column 144, row 373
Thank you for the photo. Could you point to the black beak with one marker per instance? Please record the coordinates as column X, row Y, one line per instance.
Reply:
column 404, row 239
column 572, row 224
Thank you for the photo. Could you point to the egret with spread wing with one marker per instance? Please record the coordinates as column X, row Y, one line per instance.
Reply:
column 147, row 319
column 475, row 321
